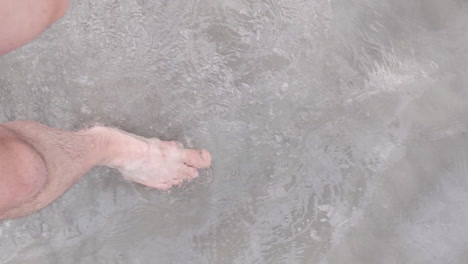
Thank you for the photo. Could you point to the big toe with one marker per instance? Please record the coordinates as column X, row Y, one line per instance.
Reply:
column 197, row 159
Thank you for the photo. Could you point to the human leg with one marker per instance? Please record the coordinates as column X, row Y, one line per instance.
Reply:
column 67, row 156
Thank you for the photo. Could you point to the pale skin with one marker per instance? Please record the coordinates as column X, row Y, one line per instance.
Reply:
column 38, row 163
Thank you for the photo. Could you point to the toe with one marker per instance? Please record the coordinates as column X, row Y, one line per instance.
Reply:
column 197, row 159
column 188, row 173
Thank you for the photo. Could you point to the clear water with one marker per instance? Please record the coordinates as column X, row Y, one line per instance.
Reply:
column 338, row 130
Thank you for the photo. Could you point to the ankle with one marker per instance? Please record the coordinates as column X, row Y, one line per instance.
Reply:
column 102, row 143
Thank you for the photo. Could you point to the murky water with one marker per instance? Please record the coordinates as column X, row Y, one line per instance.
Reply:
column 338, row 130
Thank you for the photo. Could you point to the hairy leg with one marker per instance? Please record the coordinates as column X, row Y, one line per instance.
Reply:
column 23, row 20
column 18, row 183
column 67, row 156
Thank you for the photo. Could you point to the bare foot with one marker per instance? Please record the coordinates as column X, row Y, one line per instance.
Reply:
column 151, row 162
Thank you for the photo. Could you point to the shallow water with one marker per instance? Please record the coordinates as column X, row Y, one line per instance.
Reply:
column 338, row 130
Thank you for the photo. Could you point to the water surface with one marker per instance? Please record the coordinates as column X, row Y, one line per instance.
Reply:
column 338, row 130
